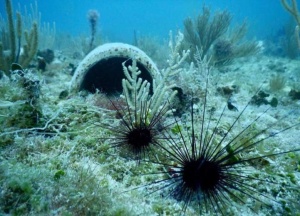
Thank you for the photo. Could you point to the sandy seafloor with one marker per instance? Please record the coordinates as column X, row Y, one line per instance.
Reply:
column 70, row 170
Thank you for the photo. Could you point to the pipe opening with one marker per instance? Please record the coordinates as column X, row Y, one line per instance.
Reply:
column 107, row 74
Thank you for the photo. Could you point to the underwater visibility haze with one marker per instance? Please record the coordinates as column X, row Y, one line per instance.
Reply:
column 129, row 107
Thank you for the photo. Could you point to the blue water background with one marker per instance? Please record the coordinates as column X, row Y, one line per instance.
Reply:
column 120, row 18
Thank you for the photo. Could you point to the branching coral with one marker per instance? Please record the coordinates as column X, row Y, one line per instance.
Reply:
column 16, row 53
column 137, row 90
column 293, row 10
column 141, row 127
column 207, row 33
column 203, row 31
column 230, row 47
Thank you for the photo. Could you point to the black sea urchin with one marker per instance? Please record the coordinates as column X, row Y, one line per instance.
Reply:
column 139, row 129
column 219, row 172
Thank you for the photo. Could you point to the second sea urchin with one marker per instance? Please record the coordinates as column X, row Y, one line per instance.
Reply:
column 219, row 172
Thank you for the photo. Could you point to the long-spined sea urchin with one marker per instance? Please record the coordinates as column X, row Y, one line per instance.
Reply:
column 218, row 172
column 139, row 129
